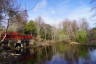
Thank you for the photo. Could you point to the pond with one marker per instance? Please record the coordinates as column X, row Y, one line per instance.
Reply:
column 57, row 54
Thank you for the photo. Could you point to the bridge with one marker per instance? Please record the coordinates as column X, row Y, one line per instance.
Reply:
column 19, row 40
column 15, row 35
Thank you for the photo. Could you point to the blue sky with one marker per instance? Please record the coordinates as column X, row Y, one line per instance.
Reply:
column 55, row 11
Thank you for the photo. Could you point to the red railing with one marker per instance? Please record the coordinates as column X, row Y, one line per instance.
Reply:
column 15, row 35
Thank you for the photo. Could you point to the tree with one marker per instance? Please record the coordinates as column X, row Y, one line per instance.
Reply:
column 40, row 23
column 92, row 35
column 44, row 30
column 82, row 36
column 7, row 11
column 18, row 22
column 69, row 29
column 30, row 28
column 40, row 28
column 84, row 24
column 11, row 14
column 47, row 31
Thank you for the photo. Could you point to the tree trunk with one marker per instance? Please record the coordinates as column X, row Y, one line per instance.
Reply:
column 5, row 33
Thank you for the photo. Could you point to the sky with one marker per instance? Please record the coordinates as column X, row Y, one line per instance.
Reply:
column 55, row 11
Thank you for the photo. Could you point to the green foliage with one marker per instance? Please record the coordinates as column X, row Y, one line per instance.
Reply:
column 30, row 28
column 42, row 33
column 70, row 31
column 46, row 32
column 92, row 34
column 63, row 36
column 81, row 36
column 34, row 28
column 84, row 51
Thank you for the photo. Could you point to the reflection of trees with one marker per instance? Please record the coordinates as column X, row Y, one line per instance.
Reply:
column 83, row 51
column 38, row 55
column 72, row 53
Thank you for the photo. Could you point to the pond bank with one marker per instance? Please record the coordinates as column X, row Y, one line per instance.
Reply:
column 51, row 43
column 82, row 44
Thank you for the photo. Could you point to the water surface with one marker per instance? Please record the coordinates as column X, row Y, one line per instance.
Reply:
column 57, row 54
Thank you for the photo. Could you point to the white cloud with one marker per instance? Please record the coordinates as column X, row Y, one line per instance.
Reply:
column 40, row 5
column 53, row 12
column 81, row 12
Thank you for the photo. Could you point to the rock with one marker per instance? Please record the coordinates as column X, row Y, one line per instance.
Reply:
column 72, row 43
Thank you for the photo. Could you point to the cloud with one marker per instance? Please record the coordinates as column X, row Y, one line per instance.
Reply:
column 40, row 5
column 80, row 12
column 53, row 12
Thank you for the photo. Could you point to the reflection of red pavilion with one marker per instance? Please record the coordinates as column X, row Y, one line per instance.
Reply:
column 15, row 35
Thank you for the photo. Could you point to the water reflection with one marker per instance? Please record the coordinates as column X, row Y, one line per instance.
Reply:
column 57, row 54
column 74, row 55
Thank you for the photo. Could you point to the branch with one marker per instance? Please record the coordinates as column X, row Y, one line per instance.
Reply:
column 5, row 33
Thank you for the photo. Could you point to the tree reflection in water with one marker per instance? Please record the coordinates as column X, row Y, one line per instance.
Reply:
column 57, row 54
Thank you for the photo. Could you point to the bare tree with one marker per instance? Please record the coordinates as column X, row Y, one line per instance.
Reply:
column 17, row 22
column 84, row 24
column 10, row 9
column 7, row 11
column 70, row 28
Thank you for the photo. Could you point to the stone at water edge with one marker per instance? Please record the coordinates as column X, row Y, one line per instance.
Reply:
column 74, row 43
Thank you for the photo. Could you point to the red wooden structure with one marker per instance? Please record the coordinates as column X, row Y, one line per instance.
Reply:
column 15, row 35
